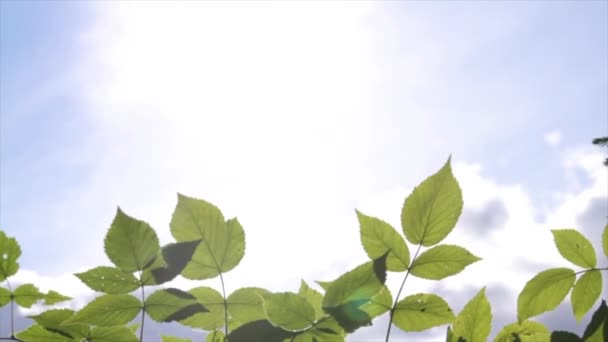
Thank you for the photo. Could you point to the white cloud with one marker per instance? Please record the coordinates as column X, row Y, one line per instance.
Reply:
column 553, row 138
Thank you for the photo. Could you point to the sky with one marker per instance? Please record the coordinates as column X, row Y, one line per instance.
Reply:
column 289, row 115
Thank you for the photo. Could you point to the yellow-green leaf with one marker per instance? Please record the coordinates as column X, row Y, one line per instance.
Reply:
column 5, row 296
column 313, row 297
column 585, row 293
column 246, row 304
column 527, row 331
column 378, row 238
column 544, row 292
column 474, row 322
column 109, row 280
column 130, row 244
column 442, row 261
column 431, row 211
column 289, row 311
column 575, row 247
column 27, row 294
column 108, row 310
column 214, row 303
column 605, row 240
column 422, row 311
column 37, row 333
column 170, row 305
column 112, row 334
column 9, row 253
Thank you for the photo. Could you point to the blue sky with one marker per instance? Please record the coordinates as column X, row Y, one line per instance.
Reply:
column 291, row 115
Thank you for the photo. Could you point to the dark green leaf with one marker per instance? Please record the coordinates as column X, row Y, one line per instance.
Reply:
column 130, row 244
column 170, row 263
column 109, row 280
column 223, row 243
column 431, row 211
column 258, row 331
column 422, row 311
column 544, row 292
column 108, row 310
column 26, row 295
column 585, row 293
column 9, row 253
column 289, row 311
column 169, row 305
column 564, row 336
column 527, row 331
column 575, row 247
column 597, row 329
column 442, row 261
column 378, row 238
column 474, row 322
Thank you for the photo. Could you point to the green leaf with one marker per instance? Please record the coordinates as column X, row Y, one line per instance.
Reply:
column 527, row 331
column 165, row 338
column 605, row 240
column 597, row 329
column 37, row 333
column 324, row 284
column 223, row 243
column 215, row 336
column 26, row 295
column 289, row 311
column 313, row 297
column 257, row 331
column 431, row 211
column 112, row 334
column 474, row 322
column 422, row 311
column 328, row 330
column 170, row 262
column 379, row 304
column 9, row 253
column 442, row 261
column 544, row 292
column 5, row 296
column 169, row 305
column 109, row 280
column 345, row 296
column 54, row 320
column 575, row 247
column 585, row 293
column 214, row 302
column 130, row 244
column 378, row 238
column 54, row 297
column 246, row 304
column 108, row 310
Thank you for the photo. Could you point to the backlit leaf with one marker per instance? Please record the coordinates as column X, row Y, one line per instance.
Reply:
column 169, row 305
column 575, row 247
column 474, row 322
column 431, row 211
column 223, row 243
column 53, row 320
column 313, row 297
column 108, row 310
column 213, row 301
column 130, row 244
column 54, row 297
column 112, row 334
column 27, row 294
column 37, row 333
column 527, row 331
column 109, row 280
column 170, row 262
column 215, row 336
column 165, row 338
column 5, row 296
column 246, row 304
column 442, row 261
column 544, row 292
column 585, row 293
column 289, row 311
column 378, row 238
column 9, row 253
column 605, row 240
column 422, row 311
column 379, row 304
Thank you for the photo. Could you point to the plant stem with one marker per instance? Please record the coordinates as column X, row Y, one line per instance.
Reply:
column 143, row 309
column 394, row 307
column 225, row 306
column 12, row 313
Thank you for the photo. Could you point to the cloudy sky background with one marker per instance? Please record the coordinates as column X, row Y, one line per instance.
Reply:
column 291, row 115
